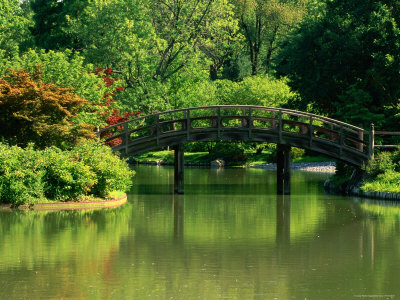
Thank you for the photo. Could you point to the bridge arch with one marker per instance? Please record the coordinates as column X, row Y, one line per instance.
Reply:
column 342, row 141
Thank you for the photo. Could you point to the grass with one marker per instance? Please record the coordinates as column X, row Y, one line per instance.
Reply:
column 168, row 156
column 311, row 159
column 386, row 182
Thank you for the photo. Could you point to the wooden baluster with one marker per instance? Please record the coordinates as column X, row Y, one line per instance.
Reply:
column 244, row 120
column 303, row 128
column 249, row 123
column 126, row 138
column 341, row 141
column 361, row 137
column 156, row 122
column 371, row 141
column 219, row 122
column 188, row 124
column 97, row 133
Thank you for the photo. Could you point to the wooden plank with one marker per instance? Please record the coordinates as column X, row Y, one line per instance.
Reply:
column 387, row 146
column 392, row 133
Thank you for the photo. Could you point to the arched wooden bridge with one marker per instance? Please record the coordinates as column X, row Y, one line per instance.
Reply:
column 350, row 144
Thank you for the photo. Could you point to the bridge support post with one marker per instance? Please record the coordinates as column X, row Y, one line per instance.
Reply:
column 178, row 169
column 283, row 169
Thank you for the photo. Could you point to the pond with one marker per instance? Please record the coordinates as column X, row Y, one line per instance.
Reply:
column 228, row 237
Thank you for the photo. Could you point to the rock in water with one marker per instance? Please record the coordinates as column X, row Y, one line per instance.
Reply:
column 218, row 163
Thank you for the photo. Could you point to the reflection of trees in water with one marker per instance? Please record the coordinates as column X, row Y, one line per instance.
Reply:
column 55, row 236
column 42, row 253
column 323, row 246
column 243, row 246
column 268, row 260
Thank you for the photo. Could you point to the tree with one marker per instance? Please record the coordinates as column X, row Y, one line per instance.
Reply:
column 67, row 70
column 151, row 44
column 43, row 113
column 347, row 61
column 262, row 22
column 14, row 24
column 221, row 39
column 52, row 23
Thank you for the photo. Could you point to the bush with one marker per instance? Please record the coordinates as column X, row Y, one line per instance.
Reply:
column 112, row 173
column 380, row 164
column 21, row 174
column 43, row 113
column 66, row 178
column 29, row 176
column 197, row 147
column 297, row 152
column 230, row 151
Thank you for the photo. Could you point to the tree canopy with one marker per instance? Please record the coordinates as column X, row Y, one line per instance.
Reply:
column 347, row 61
column 338, row 58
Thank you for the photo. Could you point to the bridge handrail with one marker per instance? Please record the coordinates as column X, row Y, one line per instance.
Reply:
column 264, row 108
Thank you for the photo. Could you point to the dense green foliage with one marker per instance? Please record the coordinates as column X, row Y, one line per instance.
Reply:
column 15, row 19
column 345, row 59
column 166, row 53
column 383, row 173
column 65, row 69
column 127, row 57
column 341, row 57
column 30, row 176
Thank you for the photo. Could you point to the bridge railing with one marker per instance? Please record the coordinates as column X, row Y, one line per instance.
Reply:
column 385, row 140
column 242, row 118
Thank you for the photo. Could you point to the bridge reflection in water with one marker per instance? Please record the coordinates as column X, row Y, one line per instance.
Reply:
column 282, row 219
column 284, row 127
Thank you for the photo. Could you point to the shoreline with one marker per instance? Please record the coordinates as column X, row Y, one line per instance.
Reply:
column 323, row 167
column 69, row 205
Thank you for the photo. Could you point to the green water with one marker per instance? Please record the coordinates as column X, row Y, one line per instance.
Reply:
column 228, row 237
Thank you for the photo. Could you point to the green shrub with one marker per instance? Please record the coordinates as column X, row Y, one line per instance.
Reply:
column 297, row 153
column 29, row 175
column 21, row 174
column 396, row 160
column 66, row 178
column 230, row 151
column 196, row 147
column 112, row 173
column 382, row 163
